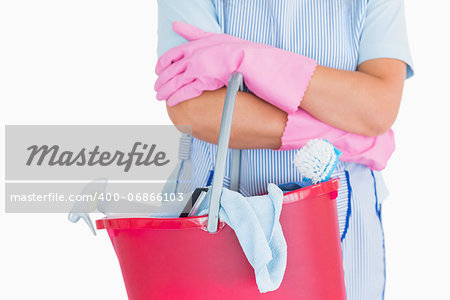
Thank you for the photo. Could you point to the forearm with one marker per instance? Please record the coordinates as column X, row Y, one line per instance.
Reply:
column 358, row 102
column 365, row 102
column 256, row 123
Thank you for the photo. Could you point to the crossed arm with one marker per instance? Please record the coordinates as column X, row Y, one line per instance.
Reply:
column 364, row 102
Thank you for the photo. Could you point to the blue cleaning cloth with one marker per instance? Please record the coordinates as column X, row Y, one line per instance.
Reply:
column 256, row 222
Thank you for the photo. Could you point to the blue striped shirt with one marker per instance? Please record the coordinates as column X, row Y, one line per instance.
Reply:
column 328, row 31
column 338, row 34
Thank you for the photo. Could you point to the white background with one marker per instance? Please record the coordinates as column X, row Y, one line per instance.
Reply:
column 92, row 62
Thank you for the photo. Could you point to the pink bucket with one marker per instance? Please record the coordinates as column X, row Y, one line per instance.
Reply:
column 178, row 259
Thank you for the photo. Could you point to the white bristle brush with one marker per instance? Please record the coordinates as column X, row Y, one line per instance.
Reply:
column 317, row 160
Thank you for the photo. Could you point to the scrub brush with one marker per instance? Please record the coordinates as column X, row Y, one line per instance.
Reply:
column 317, row 160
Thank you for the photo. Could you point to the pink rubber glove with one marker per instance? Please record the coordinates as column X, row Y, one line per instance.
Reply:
column 206, row 62
column 373, row 152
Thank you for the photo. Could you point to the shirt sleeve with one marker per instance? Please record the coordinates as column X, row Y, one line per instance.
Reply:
column 384, row 33
column 200, row 13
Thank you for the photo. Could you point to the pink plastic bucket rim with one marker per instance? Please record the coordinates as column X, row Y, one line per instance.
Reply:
column 329, row 187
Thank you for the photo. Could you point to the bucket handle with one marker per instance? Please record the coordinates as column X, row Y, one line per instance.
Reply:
column 234, row 84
